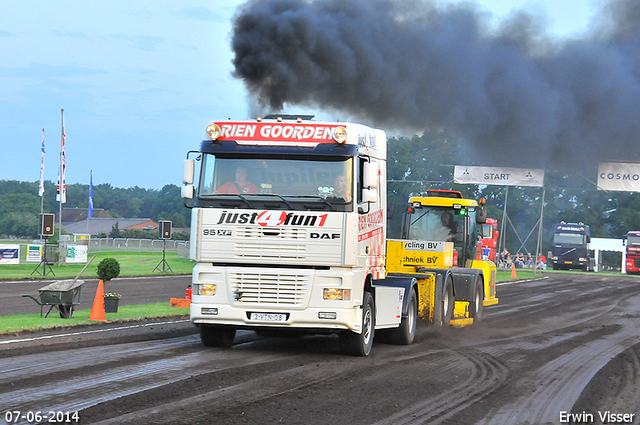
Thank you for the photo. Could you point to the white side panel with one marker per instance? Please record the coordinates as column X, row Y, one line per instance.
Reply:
column 388, row 306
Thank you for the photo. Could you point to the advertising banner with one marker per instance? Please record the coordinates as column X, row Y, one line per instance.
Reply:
column 34, row 253
column 620, row 176
column 9, row 254
column 499, row 176
column 77, row 253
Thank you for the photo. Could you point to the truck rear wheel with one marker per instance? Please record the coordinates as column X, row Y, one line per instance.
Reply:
column 359, row 344
column 476, row 306
column 214, row 336
column 448, row 303
column 406, row 332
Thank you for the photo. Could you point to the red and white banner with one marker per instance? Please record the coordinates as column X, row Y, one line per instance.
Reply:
column 277, row 132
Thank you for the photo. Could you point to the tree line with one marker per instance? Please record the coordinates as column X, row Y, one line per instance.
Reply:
column 421, row 162
column 20, row 205
column 414, row 164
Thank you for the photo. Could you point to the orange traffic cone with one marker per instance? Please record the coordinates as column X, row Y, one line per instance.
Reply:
column 97, row 311
column 514, row 275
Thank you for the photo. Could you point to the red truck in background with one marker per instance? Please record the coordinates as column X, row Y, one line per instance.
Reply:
column 488, row 243
column 632, row 242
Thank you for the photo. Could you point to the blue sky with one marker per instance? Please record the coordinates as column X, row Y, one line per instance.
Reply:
column 139, row 81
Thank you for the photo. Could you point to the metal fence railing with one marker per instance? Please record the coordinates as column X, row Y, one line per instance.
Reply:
column 181, row 248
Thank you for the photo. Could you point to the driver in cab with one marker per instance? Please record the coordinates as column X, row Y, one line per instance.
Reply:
column 240, row 186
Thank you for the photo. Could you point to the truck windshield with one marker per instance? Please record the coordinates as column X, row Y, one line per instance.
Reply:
column 435, row 224
column 568, row 238
column 487, row 231
column 325, row 180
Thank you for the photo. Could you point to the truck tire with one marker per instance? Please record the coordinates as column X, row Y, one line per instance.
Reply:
column 476, row 305
column 448, row 303
column 406, row 332
column 359, row 344
column 214, row 336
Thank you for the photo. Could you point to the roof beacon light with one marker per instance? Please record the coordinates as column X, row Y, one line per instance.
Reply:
column 214, row 131
column 340, row 134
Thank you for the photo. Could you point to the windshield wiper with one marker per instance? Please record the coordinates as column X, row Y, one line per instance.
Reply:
column 315, row 197
column 245, row 200
column 277, row 196
column 414, row 221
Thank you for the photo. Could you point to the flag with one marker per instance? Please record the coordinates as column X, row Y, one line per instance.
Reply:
column 90, row 214
column 61, row 196
column 41, row 190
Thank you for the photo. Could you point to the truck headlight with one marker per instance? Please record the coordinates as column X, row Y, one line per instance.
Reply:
column 336, row 294
column 207, row 289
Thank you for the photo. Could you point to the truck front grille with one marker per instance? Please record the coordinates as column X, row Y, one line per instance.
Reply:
column 271, row 232
column 269, row 289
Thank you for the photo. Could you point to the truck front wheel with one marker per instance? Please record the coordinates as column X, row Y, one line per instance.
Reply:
column 215, row 336
column 406, row 332
column 359, row 344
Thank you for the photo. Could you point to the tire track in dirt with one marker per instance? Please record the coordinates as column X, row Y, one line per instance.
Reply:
column 485, row 375
column 86, row 377
column 234, row 396
column 557, row 384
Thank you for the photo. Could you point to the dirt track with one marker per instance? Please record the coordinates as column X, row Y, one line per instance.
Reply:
column 550, row 346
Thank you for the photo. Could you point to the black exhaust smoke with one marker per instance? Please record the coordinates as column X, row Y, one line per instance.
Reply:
column 515, row 94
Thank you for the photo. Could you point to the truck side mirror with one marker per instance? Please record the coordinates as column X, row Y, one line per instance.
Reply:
column 370, row 174
column 369, row 195
column 481, row 215
column 187, row 192
column 188, row 171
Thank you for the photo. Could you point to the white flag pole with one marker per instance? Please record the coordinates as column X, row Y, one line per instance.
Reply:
column 62, row 195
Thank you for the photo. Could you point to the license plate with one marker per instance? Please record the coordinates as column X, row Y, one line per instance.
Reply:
column 568, row 262
column 269, row 317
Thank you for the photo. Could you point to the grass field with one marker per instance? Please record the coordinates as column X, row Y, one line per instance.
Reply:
column 131, row 264
column 33, row 322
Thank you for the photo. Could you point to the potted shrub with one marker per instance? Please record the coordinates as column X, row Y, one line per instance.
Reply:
column 108, row 269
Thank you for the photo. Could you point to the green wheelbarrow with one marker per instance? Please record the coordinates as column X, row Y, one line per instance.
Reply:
column 63, row 295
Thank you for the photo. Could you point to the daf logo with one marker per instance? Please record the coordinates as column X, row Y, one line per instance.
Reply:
column 314, row 235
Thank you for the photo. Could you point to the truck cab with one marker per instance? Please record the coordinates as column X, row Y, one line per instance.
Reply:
column 571, row 247
column 632, row 242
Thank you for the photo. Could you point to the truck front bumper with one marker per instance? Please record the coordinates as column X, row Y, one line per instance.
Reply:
column 309, row 318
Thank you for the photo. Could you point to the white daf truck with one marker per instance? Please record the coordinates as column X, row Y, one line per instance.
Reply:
column 288, row 231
